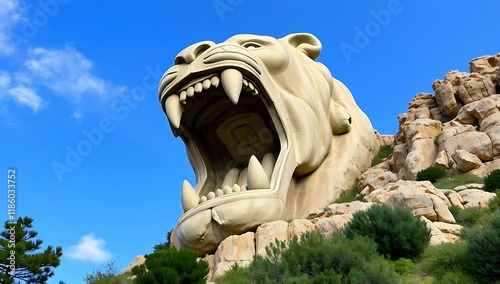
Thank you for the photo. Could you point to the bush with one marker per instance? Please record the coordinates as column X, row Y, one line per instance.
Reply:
column 350, row 195
column 107, row 275
column 404, row 266
column 456, row 180
column 483, row 250
column 171, row 266
column 443, row 258
column 431, row 174
column 492, row 181
column 317, row 259
column 457, row 277
column 383, row 152
column 473, row 216
column 396, row 232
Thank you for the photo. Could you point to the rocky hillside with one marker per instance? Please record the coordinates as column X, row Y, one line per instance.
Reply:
column 456, row 128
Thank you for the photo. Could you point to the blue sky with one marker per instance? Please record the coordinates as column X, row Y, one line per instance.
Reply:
column 97, row 166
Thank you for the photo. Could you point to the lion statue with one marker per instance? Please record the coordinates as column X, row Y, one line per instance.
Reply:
column 270, row 134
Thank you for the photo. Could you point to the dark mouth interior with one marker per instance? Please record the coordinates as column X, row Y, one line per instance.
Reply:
column 227, row 135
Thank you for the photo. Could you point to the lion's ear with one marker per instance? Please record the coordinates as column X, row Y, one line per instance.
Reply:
column 306, row 43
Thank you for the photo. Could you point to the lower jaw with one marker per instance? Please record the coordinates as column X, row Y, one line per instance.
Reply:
column 204, row 230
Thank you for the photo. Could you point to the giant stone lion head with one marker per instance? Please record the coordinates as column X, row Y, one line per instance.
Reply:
column 270, row 134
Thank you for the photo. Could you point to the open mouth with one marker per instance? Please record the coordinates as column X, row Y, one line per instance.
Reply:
column 233, row 135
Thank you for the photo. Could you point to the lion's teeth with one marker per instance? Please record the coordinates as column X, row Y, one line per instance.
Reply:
column 219, row 192
column 182, row 97
column 268, row 162
column 242, row 178
column 227, row 189
column 232, row 81
column 198, row 87
column 206, row 84
column 250, row 87
column 211, row 195
column 203, row 199
column 244, row 188
column 190, row 91
column 231, row 177
column 257, row 177
column 189, row 196
column 174, row 110
column 215, row 81
column 236, row 188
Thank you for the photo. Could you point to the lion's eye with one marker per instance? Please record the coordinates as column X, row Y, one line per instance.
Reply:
column 251, row 45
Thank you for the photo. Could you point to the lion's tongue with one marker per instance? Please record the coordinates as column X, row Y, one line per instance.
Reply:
column 255, row 176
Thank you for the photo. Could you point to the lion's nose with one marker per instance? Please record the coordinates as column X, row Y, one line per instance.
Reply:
column 189, row 54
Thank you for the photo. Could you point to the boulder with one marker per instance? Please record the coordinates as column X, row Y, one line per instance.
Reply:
column 442, row 160
column 376, row 178
column 474, row 142
column 236, row 249
column 138, row 260
column 445, row 97
column 298, row 227
column 421, row 198
column 421, row 155
column 475, row 87
column 268, row 233
column 477, row 111
column 437, row 237
column 334, row 223
column 476, row 197
column 455, row 198
column 466, row 161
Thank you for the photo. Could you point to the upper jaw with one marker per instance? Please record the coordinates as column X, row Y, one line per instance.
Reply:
column 230, row 97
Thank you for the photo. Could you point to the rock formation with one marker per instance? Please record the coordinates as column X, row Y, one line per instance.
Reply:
column 457, row 128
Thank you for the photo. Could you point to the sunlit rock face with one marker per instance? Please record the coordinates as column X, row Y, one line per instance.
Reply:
column 270, row 134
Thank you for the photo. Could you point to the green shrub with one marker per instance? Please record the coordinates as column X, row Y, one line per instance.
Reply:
column 350, row 195
column 455, row 210
column 494, row 205
column 473, row 216
column 431, row 174
column 456, row 180
column 171, row 266
column 236, row 275
column 318, row 259
column 457, row 277
column 396, row 231
column 492, row 181
column 383, row 152
column 404, row 266
column 447, row 257
column 107, row 275
column 483, row 250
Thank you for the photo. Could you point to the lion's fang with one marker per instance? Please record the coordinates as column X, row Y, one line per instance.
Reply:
column 232, row 82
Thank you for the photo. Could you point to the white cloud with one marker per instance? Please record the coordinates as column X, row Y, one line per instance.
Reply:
column 26, row 96
column 10, row 15
column 4, row 78
column 77, row 114
column 90, row 248
column 19, row 93
column 68, row 72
